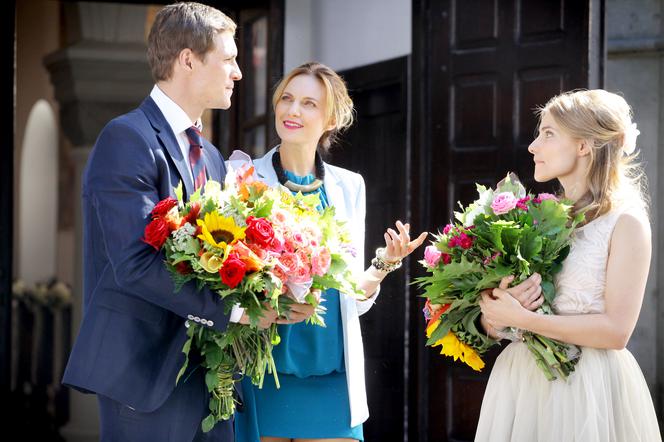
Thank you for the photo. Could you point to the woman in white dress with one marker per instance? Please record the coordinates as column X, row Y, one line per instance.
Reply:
column 586, row 140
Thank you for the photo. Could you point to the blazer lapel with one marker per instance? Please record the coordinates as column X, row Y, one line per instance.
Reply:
column 335, row 193
column 264, row 169
column 167, row 139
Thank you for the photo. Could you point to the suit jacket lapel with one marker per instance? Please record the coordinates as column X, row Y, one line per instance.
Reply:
column 167, row 139
column 212, row 166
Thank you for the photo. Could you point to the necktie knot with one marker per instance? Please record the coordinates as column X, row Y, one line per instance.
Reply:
column 195, row 136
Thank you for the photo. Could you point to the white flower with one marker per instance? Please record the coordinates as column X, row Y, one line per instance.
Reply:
column 182, row 236
column 629, row 139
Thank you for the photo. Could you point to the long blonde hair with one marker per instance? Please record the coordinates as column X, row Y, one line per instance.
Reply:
column 604, row 119
column 339, row 106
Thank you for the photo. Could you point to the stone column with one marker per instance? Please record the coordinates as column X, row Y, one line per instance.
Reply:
column 100, row 74
column 634, row 68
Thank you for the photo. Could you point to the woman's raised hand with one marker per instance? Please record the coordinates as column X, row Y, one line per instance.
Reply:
column 398, row 245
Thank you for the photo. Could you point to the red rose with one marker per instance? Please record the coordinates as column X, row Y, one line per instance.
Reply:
column 259, row 231
column 156, row 233
column 163, row 207
column 232, row 271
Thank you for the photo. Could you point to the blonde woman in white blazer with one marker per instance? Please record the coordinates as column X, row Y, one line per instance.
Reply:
column 321, row 370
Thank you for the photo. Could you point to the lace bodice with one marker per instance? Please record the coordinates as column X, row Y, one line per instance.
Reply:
column 580, row 285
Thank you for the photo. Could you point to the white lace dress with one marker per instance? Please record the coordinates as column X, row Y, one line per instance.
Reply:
column 605, row 399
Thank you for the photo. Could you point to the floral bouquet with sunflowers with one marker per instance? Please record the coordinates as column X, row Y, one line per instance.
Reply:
column 504, row 232
column 257, row 247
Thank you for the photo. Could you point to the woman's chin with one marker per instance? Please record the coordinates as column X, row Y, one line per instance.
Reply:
column 541, row 178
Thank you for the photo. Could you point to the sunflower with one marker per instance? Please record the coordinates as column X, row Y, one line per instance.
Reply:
column 451, row 346
column 219, row 231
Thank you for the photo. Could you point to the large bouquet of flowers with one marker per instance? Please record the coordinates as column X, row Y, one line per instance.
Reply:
column 504, row 232
column 255, row 246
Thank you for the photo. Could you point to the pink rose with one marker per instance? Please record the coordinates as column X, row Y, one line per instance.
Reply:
column 301, row 275
column 320, row 261
column 299, row 240
column 280, row 216
column 281, row 272
column 503, row 203
column 278, row 244
column 291, row 261
column 304, row 255
column 432, row 255
column 545, row 196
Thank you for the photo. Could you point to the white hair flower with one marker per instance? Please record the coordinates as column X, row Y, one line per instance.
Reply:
column 629, row 143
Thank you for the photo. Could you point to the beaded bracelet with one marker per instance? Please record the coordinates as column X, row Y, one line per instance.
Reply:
column 380, row 264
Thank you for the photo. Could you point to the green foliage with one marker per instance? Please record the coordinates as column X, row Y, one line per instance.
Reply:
column 517, row 243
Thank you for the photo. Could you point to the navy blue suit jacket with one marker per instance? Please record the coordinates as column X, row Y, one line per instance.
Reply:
column 129, row 346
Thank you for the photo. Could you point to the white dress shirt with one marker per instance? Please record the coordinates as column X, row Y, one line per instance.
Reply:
column 179, row 121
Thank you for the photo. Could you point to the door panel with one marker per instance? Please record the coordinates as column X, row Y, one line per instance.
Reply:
column 377, row 147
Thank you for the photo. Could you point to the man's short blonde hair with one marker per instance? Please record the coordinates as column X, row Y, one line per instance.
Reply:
column 180, row 26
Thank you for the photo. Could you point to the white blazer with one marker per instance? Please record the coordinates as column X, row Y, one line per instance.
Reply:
column 345, row 191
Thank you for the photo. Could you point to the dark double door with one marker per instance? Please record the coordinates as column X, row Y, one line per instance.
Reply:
column 458, row 111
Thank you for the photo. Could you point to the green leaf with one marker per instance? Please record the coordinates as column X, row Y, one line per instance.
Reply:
column 178, row 192
column 208, row 423
column 212, row 355
column 196, row 196
column 263, row 208
column 211, row 380
column 549, row 291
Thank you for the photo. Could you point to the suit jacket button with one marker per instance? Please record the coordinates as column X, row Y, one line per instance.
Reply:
column 204, row 321
column 190, row 317
column 197, row 319
column 186, row 323
column 210, row 323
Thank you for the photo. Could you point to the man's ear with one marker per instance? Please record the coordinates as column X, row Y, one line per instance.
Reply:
column 185, row 59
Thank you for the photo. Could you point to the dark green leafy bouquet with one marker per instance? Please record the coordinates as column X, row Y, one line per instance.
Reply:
column 504, row 232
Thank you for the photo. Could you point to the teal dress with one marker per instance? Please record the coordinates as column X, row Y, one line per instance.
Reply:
column 313, row 399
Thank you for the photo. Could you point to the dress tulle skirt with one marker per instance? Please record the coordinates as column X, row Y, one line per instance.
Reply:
column 606, row 399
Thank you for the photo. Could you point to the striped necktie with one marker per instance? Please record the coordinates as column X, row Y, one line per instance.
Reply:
column 196, row 156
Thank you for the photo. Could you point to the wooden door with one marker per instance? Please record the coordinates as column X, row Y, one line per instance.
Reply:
column 480, row 67
column 249, row 124
column 377, row 146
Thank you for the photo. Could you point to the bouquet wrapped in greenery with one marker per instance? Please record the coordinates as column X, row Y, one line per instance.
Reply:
column 504, row 232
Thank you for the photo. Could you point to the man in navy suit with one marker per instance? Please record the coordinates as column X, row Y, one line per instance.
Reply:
column 129, row 347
